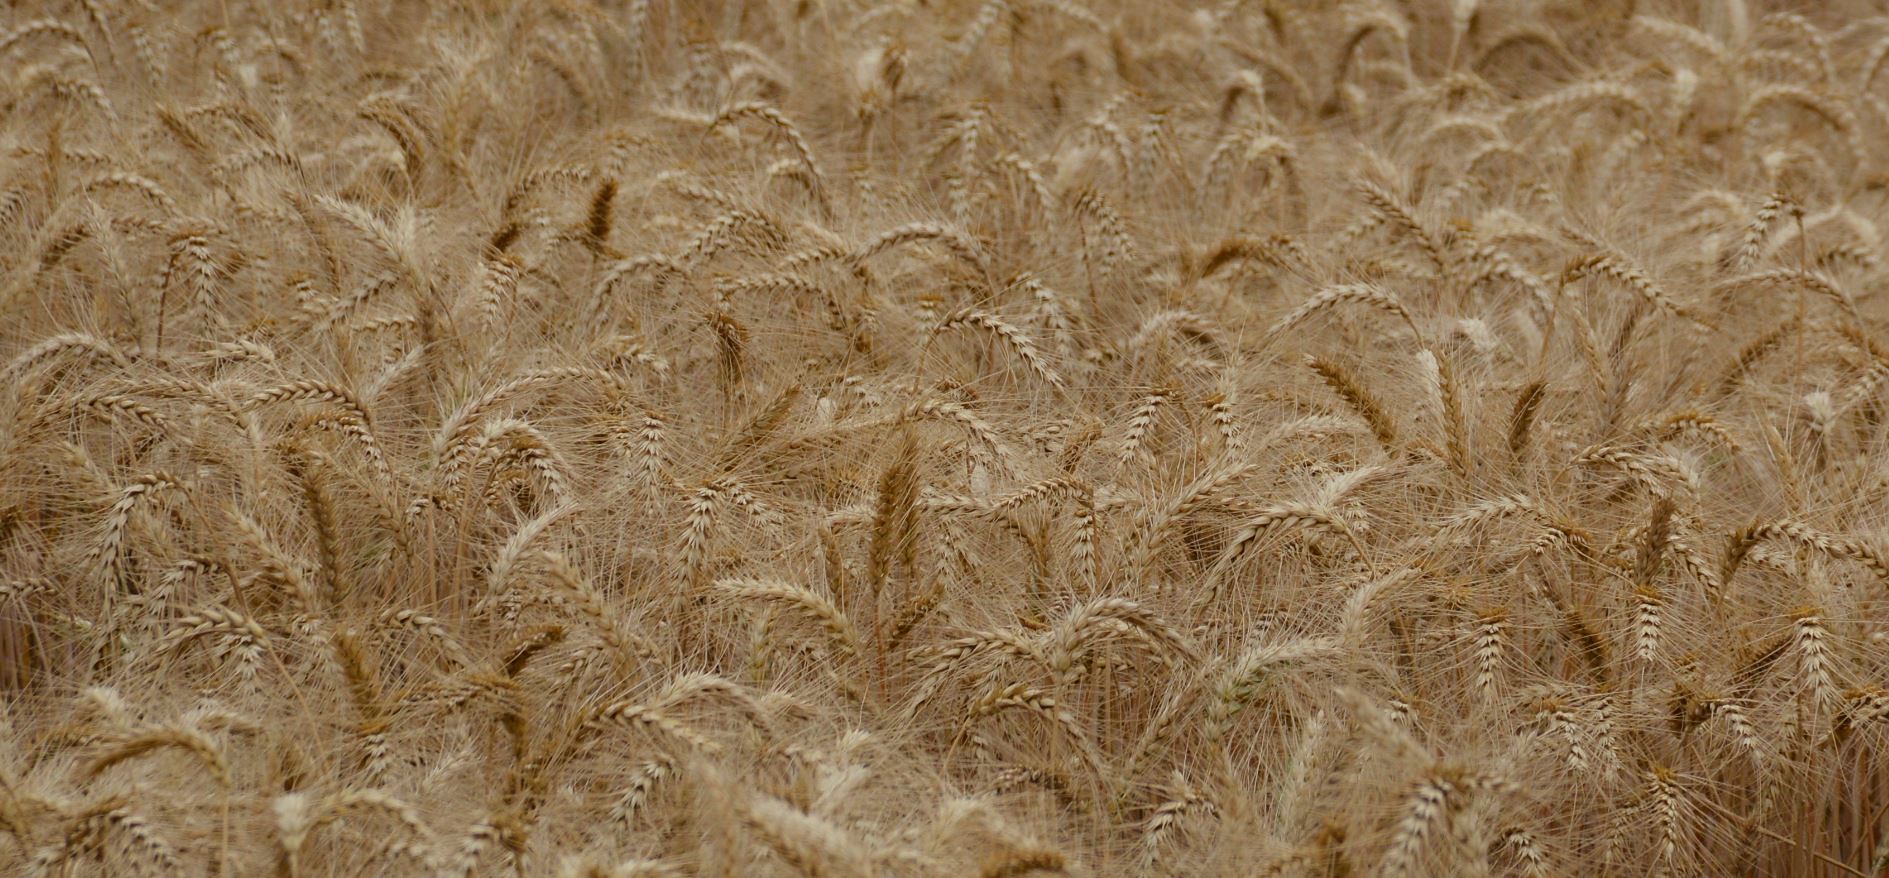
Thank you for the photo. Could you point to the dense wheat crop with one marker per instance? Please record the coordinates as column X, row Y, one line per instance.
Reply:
column 979, row 438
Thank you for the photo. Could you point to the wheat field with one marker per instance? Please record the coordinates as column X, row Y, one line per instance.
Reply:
column 956, row 438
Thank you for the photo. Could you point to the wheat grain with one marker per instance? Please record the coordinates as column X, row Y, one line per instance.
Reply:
column 583, row 431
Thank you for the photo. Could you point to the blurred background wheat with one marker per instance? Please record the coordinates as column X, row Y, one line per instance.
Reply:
column 850, row 438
